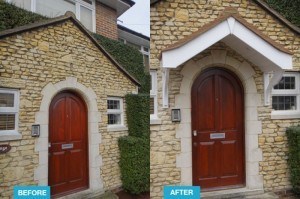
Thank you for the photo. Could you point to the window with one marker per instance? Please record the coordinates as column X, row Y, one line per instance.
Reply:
column 153, row 95
column 25, row 4
column 115, row 111
column 9, row 108
column 54, row 8
column 84, row 10
column 145, row 52
column 286, row 97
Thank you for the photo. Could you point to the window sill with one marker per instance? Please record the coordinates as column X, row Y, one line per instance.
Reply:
column 155, row 121
column 285, row 115
column 113, row 128
column 10, row 135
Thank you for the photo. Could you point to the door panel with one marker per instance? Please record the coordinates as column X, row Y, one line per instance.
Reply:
column 218, row 130
column 68, row 152
column 206, row 104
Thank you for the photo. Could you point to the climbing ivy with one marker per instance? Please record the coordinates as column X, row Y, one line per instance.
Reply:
column 288, row 8
column 12, row 16
column 130, row 58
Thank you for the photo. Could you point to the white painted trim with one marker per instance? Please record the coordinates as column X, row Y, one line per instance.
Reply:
column 269, row 83
column 276, row 115
column 113, row 128
column 116, row 111
column 253, row 127
column 153, row 91
column 6, row 135
column 271, row 56
column 94, row 136
column 165, row 81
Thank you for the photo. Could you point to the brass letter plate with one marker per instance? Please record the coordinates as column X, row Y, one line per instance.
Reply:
column 67, row 146
column 217, row 135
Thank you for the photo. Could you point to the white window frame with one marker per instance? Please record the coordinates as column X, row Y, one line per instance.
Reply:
column 78, row 3
column 11, row 134
column 153, row 94
column 288, row 114
column 116, row 127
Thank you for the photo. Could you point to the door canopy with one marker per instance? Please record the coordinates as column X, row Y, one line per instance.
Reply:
column 239, row 35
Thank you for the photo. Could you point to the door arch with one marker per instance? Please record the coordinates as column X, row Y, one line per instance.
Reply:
column 218, row 143
column 68, row 144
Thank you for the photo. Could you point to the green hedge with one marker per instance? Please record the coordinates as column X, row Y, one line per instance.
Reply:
column 293, row 134
column 12, row 16
column 138, row 114
column 135, row 164
column 130, row 58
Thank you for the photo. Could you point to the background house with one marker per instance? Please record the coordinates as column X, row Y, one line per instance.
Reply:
column 219, row 63
column 61, row 57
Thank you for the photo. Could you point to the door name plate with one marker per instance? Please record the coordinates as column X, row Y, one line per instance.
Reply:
column 67, row 146
column 217, row 135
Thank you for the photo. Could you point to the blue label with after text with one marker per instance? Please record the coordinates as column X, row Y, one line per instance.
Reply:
column 31, row 192
column 182, row 192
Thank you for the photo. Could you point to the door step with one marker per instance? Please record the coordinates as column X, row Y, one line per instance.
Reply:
column 238, row 194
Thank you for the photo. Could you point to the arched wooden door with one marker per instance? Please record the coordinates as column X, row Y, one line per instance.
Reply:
column 218, row 130
column 68, row 147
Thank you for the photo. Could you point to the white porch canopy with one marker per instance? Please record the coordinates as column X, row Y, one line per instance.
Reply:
column 239, row 35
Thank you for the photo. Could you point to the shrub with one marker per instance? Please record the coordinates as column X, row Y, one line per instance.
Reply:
column 135, row 164
column 138, row 114
column 293, row 134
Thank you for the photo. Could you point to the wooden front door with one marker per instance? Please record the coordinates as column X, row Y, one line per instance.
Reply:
column 68, row 149
column 218, row 130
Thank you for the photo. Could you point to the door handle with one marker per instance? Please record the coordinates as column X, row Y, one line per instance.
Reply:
column 194, row 133
column 49, row 144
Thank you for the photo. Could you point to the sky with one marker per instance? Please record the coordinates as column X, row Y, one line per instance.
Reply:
column 137, row 18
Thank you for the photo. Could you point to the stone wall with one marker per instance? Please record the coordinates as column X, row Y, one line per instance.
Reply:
column 31, row 60
column 172, row 20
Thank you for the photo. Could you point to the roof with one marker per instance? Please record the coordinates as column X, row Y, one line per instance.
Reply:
column 121, row 6
column 267, row 8
column 133, row 32
column 69, row 16
column 228, row 12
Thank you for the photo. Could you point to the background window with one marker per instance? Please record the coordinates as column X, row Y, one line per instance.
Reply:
column 9, row 107
column 153, row 94
column 25, row 4
column 54, row 8
column 115, row 111
column 285, row 95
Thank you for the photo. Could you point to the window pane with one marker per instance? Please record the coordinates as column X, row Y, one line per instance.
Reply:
column 287, row 82
column 284, row 102
column 151, row 105
column 86, row 17
column 113, row 104
column 146, row 61
column 7, row 100
column 7, row 122
column 26, row 4
column 114, row 118
column 146, row 49
column 54, row 8
column 88, row 1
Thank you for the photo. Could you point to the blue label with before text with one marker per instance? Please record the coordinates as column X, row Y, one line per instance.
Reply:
column 31, row 192
column 182, row 192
